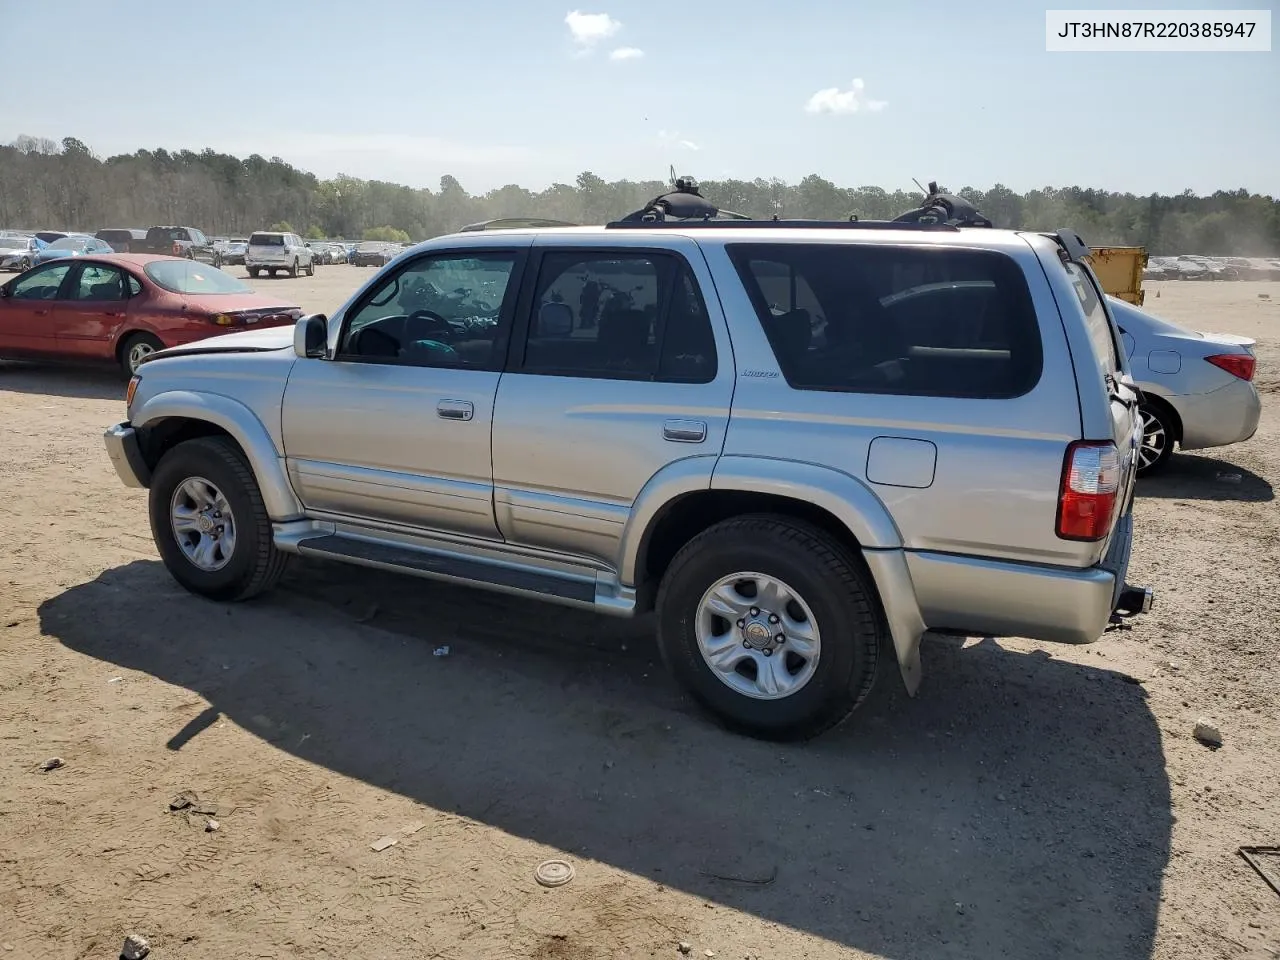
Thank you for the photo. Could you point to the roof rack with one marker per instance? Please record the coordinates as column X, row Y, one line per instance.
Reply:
column 748, row 224
column 514, row 223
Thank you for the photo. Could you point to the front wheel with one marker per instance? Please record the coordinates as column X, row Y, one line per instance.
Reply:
column 271, row 272
column 311, row 268
column 772, row 625
column 253, row 272
column 210, row 524
column 293, row 270
column 1157, row 439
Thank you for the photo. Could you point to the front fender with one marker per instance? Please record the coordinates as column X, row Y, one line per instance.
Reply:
column 247, row 430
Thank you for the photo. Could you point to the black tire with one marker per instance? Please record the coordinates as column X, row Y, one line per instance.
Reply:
column 127, row 350
column 311, row 268
column 271, row 272
column 217, row 261
column 293, row 270
column 838, row 591
column 255, row 564
column 25, row 265
column 1158, row 437
column 253, row 272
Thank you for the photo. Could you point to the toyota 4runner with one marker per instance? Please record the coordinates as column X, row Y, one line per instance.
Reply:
column 804, row 444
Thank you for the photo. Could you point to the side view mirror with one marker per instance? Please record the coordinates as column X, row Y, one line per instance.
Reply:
column 311, row 337
column 4, row 292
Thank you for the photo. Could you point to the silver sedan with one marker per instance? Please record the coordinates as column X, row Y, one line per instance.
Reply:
column 1197, row 388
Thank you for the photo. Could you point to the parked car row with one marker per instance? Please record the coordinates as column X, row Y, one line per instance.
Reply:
column 1192, row 267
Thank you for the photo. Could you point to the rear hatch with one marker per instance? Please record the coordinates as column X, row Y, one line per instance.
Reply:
column 267, row 247
column 1123, row 398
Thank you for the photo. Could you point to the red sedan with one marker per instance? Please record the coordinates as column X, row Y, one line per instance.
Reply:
column 122, row 308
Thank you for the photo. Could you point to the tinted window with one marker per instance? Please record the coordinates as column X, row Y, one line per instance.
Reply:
column 440, row 311
column 99, row 283
column 898, row 320
column 72, row 243
column 1095, row 317
column 187, row 276
column 40, row 284
column 266, row 240
column 631, row 316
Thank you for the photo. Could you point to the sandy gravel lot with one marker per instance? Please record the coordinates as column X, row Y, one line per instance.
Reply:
column 1034, row 801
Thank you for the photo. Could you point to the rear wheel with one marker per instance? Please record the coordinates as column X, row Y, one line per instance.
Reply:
column 293, row 270
column 311, row 268
column 271, row 271
column 772, row 625
column 25, row 265
column 253, row 272
column 210, row 524
column 137, row 348
column 1157, row 439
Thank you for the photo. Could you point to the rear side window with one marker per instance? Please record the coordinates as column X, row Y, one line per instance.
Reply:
column 619, row 316
column 1095, row 318
column 266, row 240
column 917, row 321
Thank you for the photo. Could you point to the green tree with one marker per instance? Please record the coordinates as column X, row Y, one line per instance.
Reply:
column 315, row 233
column 386, row 235
column 282, row 226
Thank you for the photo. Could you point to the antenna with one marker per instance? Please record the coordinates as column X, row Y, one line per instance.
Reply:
column 920, row 185
column 671, row 179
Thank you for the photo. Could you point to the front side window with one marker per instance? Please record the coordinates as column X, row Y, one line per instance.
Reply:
column 623, row 316
column 923, row 321
column 98, row 282
column 40, row 284
column 437, row 311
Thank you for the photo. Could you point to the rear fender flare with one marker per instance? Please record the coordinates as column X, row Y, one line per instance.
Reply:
column 244, row 427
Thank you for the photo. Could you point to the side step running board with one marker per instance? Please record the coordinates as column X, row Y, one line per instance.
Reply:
column 507, row 577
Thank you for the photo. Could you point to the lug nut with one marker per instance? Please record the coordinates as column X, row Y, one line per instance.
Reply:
column 755, row 611
column 780, row 638
column 746, row 644
column 741, row 624
column 767, row 651
column 773, row 618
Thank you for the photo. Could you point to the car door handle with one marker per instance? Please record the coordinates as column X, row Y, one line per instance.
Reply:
column 455, row 410
column 684, row 431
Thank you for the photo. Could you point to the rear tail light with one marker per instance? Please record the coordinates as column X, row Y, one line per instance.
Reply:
column 224, row 320
column 1239, row 365
column 1090, row 486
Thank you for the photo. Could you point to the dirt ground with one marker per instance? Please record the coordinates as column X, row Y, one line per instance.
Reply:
column 1034, row 800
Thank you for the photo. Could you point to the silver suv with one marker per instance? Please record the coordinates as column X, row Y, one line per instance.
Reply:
column 803, row 444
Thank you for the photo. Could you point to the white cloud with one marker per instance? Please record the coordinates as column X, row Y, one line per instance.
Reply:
column 835, row 100
column 626, row 53
column 588, row 29
column 672, row 138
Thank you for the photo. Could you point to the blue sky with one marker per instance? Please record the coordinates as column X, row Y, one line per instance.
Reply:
column 499, row 91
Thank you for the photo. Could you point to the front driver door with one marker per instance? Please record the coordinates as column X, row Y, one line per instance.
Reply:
column 27, row 311
column 396, row 427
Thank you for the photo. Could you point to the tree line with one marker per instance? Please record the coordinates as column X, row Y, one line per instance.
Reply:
column 45, row 184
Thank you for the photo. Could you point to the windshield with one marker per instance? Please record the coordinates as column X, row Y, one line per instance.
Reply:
column 12, row 243
column 71, row 243
column 186, row 276
column 267, row 240
column 371, row 245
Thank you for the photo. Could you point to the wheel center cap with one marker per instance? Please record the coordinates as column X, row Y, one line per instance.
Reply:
column 757, row 635
column 206, row 523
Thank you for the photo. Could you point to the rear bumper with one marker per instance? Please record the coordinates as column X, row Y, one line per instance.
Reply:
column 1227, row 415
column 983, row 597
column 126, row 456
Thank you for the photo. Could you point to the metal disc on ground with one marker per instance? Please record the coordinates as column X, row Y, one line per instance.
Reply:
column 554, row 873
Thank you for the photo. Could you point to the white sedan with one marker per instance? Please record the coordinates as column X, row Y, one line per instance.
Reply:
column 1197, row 388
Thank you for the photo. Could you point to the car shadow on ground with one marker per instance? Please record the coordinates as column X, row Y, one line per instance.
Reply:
column 1193, row 476
column 1019, row 807
column 89, row 383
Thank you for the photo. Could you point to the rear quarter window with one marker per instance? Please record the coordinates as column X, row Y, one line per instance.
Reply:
column 1101, row 340
column 917, row 321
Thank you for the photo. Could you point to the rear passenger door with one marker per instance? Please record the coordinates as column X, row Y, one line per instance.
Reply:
column 620, row 369
column 96, row 304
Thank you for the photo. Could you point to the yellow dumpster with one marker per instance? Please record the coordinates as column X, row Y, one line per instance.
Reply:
column 1120, row 271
